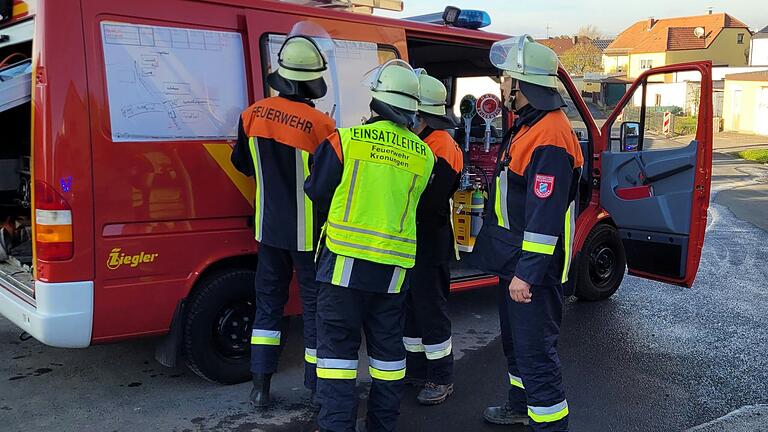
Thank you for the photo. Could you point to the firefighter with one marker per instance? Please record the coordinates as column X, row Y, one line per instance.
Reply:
column 527, row 234
column 427, row 326
column 369, row 178
column 276, row 139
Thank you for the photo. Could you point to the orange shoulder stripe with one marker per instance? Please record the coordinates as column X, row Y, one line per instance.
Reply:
column 443, row 146
column 294, row 124
column 552, row 130
column 335, row 142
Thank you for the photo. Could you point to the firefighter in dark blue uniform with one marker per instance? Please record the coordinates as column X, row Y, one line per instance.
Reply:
column 527, row 234
column 276, row 139
column 427, row 325
column 368, row 179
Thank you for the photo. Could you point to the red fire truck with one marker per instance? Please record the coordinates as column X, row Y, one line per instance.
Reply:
column 122, row 216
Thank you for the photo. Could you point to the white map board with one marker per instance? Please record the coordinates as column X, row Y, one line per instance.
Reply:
column 169, row 84
column 348, row 61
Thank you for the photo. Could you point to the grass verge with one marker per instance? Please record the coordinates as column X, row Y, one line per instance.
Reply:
column 758, row 155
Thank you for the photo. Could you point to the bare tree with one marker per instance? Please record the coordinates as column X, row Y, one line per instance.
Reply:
column 582, row 58
column 590, row 31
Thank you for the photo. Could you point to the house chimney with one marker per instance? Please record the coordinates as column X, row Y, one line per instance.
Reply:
column 709, row 9
column 651, row 23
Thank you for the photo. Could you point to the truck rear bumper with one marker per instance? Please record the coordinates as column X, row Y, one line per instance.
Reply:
column 62, row 316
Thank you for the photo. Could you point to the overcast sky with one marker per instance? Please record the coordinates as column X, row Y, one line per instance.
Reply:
column 566, row 16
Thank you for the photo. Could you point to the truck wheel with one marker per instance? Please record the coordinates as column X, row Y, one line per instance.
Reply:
column 217, row 329
column 601, row 265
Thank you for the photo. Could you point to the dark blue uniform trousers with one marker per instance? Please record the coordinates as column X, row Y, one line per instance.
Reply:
column 273, row 278
column 427, row 326
column 342, row 312
column 529, row 333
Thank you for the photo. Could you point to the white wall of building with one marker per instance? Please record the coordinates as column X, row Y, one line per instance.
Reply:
column 758, row 53
column 663, row 94
column 718, row 73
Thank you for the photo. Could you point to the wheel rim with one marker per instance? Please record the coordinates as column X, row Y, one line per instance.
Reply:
column 232, row 331
column 602, row 263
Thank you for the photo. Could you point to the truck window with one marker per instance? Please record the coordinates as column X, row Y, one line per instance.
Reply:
column 172, row 83
column 347, row 99
column 659, row 115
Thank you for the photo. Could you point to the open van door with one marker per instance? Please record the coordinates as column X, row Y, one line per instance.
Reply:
column 656, row 170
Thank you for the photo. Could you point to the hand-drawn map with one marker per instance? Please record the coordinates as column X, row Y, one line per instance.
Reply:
column 169, row 84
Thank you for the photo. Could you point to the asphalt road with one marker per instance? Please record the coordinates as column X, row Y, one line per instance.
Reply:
column 652, row 358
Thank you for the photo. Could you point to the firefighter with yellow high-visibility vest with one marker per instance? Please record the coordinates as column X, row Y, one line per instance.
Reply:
column 369, row 179
column 277, row 137
column 528, row 231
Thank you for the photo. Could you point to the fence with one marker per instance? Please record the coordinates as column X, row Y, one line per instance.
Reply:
column 680, row 124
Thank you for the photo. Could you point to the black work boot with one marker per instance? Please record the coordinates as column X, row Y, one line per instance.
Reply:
column 260, row 392
column 433, row 394
column 504, row 415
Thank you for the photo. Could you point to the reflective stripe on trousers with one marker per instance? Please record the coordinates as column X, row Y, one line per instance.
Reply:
column 386, row 370
column 304, row 209
column 516, row 381
column 438, row 351
column 258, row 202
column 310, row 355
column 413, row 345
column 336, row 368
column 548, row 414
column 265, row 337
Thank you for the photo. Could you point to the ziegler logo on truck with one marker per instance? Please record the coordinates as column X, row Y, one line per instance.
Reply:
column 117, row 259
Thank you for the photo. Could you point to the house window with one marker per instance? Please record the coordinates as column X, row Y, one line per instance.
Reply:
column 740, row 38
column 646, row 64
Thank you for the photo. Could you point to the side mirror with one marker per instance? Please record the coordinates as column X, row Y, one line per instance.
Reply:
column 630, row 136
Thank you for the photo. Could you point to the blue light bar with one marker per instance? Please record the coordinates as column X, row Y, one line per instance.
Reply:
column 473, row 19
column 453, row 16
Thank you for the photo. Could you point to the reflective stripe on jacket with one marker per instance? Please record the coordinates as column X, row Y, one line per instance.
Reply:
column 372, row 214
column 276, row 138
column 530, row 219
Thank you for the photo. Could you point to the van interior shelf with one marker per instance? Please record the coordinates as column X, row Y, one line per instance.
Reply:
column 15, row 85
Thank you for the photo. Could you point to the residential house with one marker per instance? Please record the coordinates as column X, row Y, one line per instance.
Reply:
column 651, row 43
column 560, row 45
column 758, row 51
column 745, row 108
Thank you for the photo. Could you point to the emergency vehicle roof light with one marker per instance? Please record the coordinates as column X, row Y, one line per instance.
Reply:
column 455, row 17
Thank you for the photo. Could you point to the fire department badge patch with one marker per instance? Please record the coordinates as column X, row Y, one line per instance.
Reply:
column 544, row 185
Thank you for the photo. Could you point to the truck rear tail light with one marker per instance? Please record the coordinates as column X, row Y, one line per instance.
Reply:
column 53, row 224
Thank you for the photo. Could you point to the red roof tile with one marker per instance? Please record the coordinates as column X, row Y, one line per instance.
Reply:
column 558, row 45
column 654, row 35
column 748, row 76
column 683, row 38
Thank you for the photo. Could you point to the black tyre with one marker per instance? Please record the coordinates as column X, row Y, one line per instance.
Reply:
column 217, row 328
column 601, row 265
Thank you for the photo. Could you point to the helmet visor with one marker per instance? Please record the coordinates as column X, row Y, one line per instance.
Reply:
column 431, row 105
column 371, row 79
column 509, row 55
column 320, row 40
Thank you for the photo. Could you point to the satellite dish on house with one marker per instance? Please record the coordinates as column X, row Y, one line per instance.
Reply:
column 698, row 32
